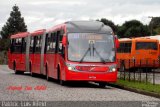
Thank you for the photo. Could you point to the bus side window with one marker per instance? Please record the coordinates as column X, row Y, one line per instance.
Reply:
column 57, row 42
column 11, row 45
column 46, row 41
column 50, row 43
column 60, row 48
column 60, row 41
column 38, row 40
column 31, row 49
column 121, row 48
column 17, row 45
column 24, row 45
column 127, row 48
column 53, row 42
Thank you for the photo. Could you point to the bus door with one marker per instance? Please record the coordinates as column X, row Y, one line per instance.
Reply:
column 23, row 55
column 37, row 54
column 51, row 49
column 58, row 51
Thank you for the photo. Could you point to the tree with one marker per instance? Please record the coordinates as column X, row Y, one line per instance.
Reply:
column 109, row 23
column 154, row 25
column 14, row 24
column 133, row 28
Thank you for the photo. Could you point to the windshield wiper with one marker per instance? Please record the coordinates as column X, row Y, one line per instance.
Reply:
column 89, row 49
column 94, row 49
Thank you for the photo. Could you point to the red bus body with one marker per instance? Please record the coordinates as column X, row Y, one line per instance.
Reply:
column 16, row 59
column 53, row 59
column 56, row 61
column 35, row 57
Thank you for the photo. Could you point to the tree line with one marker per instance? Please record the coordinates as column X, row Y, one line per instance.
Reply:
column 132, row 28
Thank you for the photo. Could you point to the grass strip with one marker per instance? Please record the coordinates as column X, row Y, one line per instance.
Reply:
column 148, row 87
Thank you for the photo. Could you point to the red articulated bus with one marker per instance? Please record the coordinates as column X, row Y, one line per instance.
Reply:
column 74, row 51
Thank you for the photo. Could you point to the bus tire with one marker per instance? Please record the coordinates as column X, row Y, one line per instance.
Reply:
column 30, row 69
column 47, row 76
column 14, row 68
column 102, row 84
column 32, row 74
column 61, row 82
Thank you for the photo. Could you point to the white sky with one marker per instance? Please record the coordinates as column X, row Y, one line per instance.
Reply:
column 47, row 13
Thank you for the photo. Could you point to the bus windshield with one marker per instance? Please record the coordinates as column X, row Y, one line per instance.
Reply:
column 91, row 47
column 146, row 45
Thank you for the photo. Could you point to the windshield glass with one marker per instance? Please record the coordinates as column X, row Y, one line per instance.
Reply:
column 146, row 45
column 89, row 47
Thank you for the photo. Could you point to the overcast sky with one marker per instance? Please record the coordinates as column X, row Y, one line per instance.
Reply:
column 47, row 13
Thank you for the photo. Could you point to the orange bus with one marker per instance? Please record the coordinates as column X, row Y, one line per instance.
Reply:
column 138, row 53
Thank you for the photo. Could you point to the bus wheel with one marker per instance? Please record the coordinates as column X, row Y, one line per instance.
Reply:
column 61, row 82
column 14, row 68
column 102, row 84
column 32, row 74
column 47, row 76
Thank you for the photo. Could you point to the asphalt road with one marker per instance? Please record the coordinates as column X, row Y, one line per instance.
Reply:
column 26, row 88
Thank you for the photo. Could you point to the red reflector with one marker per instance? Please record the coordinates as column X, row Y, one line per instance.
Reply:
column 92, row 68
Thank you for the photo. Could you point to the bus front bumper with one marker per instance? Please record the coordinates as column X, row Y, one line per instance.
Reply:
column 91, row 76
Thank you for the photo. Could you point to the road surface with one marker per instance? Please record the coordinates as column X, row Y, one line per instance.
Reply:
column 26, row 88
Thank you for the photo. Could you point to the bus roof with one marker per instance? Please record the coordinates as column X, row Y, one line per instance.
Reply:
column 38, row 32
column 124, row 39
column 20, row 35
column 84, row 26
column 87, row 27
column 154, row 37
column 137, row 39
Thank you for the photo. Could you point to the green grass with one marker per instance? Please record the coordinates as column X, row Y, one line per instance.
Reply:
column 140, row 86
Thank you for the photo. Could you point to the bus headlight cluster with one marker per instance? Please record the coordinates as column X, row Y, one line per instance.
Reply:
column 113, row 68
column 71, row 67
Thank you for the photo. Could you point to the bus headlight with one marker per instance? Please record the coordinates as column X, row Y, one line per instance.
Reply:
column 113, row 68
column 70, row 68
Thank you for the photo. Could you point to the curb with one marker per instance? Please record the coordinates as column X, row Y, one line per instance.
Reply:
column 135, row 90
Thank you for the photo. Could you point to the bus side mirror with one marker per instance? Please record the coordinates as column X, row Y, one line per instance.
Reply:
column 64, row 40
column 117, row 42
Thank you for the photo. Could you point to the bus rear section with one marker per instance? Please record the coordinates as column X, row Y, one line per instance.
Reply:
column 85, row 51
column 17, row 52
column 138, row 53
column 157, row 37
